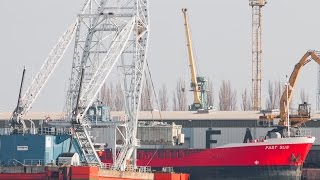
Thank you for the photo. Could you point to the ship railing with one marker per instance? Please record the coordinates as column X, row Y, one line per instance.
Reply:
column 14, row 162
column 48, row 131
column 62, row 131
column 32, row 162
column 144, row 169
column 303, row 133
column 106, row 165
column 130, row 168
column 113, row 167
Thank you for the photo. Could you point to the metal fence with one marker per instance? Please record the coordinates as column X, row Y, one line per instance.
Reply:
column 33, row 162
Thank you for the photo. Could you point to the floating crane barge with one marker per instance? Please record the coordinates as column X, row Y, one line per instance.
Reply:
column 103, row 31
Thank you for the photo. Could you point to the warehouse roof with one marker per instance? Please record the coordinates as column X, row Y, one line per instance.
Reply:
column 156, row 115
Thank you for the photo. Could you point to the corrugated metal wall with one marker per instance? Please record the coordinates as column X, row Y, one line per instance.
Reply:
column 233, row 135
column 32, row 149
column 103, row 135
column 196, row 137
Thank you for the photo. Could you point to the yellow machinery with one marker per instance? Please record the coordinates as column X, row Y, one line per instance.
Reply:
column 198, row 83
column 303, row 114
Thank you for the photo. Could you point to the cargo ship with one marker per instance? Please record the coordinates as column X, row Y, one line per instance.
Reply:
column 276, row 154
column 272, row 157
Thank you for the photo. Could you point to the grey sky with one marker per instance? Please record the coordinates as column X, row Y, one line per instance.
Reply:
column 221, row 35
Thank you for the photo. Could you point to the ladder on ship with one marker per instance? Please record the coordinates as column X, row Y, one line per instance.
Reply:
column 83, row 138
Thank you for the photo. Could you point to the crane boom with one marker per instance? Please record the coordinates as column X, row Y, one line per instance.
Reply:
column 287, row 94
column 303, row 115
column 43, row 75
column 16, row 123
column 194, row 83
column 48, row 67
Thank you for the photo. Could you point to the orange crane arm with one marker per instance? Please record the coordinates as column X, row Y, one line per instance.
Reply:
column 292, row 81
column 196, row 93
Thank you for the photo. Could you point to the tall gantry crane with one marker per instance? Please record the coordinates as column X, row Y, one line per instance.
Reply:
column 108, row 31
column 256, row 52
column 105, row 32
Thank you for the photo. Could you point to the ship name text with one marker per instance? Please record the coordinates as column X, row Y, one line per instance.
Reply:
column 283, row 147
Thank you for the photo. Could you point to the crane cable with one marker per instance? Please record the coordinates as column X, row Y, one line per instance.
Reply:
column 154, row 91
column 158, row 105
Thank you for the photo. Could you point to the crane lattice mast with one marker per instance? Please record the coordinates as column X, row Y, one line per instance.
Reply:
column 256, row 52
column 108, row 31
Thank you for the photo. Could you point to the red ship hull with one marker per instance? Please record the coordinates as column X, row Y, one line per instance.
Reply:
column 276, row 158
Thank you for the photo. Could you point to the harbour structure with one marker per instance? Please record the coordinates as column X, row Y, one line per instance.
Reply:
column 103, row 31
column 116, row 29
column 256, row 44
column 89, row 73
column 198, row 83
column 202, row 132
column 230, row 125
column 275, row 154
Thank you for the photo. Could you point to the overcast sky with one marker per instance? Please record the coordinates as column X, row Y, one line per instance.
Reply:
column 221, row 35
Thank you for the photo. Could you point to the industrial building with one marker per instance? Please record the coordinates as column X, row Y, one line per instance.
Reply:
column 198, row 131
